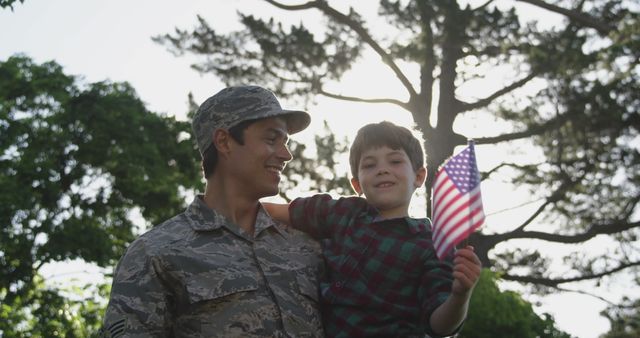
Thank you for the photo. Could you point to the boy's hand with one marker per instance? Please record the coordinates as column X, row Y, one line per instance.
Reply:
column 466, row 271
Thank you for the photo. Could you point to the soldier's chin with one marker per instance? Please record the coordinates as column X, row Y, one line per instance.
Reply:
column 270, row 192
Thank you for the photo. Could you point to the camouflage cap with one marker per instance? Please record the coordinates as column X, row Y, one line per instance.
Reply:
column 233, row 105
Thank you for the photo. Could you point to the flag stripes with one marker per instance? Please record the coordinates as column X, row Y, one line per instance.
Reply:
column 457, row 201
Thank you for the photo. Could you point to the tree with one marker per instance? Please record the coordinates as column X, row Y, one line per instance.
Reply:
column 75, row 160
column 495, row 313
column 8, row 3
column 569, row 91
column 624, row 319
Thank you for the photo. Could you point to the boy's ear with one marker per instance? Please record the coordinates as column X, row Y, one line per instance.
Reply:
column 421, row 176
column 356, row 186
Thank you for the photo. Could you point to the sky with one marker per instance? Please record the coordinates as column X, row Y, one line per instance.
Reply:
column 111, row 40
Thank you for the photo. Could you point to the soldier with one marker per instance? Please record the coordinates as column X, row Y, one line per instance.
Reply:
column 224, row 267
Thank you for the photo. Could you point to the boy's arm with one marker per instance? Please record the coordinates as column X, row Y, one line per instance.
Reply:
column 278, row 211
column 447, row 317
column 312, row 215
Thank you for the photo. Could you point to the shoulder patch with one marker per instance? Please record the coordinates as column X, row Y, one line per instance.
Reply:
column 114, row 330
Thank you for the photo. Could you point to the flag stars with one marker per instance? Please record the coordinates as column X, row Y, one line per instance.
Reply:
column 463, row 171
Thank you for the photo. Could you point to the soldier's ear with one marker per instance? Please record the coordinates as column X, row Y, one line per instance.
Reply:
column 222, row 140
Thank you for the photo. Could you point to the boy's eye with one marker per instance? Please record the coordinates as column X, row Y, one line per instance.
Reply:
column 367, row 165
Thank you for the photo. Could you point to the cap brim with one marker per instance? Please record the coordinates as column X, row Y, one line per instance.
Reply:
column 297, row 120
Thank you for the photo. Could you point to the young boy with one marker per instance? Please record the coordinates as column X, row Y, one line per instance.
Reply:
column 384, row 278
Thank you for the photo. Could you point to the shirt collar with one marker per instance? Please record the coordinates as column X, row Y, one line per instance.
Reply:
column 264, row 221
column 415, row 225
column 203, row 218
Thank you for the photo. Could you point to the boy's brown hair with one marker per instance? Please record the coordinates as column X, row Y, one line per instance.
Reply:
column 381, row 134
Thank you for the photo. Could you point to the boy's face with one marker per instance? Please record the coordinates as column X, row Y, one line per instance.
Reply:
column 387, row 179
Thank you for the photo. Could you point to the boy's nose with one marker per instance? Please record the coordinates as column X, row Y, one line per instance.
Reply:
column 383, row 170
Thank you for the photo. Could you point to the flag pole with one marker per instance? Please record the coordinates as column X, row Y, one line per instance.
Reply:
column 465, row 242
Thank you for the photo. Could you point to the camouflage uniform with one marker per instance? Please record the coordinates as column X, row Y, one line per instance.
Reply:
column 198, row 275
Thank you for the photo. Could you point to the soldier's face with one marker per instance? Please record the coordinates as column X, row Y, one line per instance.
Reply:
column 258, row 164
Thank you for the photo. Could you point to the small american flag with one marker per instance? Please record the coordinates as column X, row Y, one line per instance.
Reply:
column 457, row 201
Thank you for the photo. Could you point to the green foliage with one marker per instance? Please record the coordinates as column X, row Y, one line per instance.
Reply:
column 46, row 312
column 8, row 3
column 494, row 313
column 624, row 319
column 75, row 159
column 266, row 54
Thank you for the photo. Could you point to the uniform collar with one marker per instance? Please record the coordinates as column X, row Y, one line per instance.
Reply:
column 264, row 221
column 203, row 218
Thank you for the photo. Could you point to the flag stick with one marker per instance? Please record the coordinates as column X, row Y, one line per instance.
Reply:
column 465, row 242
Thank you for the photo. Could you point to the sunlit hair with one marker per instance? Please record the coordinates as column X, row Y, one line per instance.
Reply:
column 376, row 135
column 210, row 156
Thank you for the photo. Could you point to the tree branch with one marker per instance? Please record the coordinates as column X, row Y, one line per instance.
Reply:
column 556, row 196
column 594, row 230
column 631, row 206
column 271, row 72
column 490, row 172
column 573, row 15
column 357, row 99
column 359, row 29
column 486, row 101
column 484, row 242
column 483, row 5
column 308, row 5
column 551, row 124
column 514, row 207
column 555, row 282
column 588, row 294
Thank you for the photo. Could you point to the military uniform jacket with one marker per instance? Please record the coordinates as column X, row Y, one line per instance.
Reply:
column 199, row 275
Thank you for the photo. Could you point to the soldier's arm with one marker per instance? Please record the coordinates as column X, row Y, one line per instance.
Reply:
column 139, row 304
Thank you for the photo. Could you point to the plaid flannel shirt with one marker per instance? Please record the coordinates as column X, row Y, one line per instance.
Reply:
column 384, row 278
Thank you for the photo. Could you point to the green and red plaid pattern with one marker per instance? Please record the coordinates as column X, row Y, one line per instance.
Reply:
column 383, row 278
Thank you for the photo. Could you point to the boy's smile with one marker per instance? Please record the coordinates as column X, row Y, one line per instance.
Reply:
column 388, row 180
